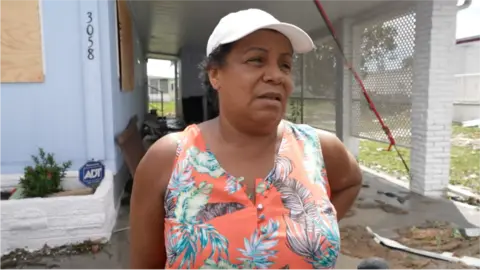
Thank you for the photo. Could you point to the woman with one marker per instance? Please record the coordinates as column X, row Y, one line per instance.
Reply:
column 246, row 189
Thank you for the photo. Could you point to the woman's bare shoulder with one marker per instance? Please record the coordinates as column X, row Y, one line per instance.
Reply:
column 164, row 147
column 147, row 247
column 342, row 166
column 332, row 146
column 156, row 165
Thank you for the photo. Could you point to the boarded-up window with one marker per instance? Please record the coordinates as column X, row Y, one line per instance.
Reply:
column 21, row 50
column 125, row 33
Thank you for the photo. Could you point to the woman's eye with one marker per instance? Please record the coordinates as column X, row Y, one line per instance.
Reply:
column 255, row 60
column 286, row 67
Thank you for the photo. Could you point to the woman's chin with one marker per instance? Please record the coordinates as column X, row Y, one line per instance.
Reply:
column 267, row 119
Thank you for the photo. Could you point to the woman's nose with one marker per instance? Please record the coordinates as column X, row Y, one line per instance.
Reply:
column 273, row 74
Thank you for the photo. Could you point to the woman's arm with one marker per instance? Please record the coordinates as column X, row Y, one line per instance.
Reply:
column 343, row 172
column 147, row 243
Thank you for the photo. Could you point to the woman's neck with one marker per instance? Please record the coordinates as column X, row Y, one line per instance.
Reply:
column 229, row 134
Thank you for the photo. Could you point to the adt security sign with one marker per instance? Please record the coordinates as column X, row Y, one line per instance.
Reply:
column 92, row 173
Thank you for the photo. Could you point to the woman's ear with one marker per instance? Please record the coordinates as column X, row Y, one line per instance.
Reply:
column 213, row 76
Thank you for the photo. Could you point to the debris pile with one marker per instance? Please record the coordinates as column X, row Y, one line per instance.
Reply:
column 432, row 236
column 20, row 258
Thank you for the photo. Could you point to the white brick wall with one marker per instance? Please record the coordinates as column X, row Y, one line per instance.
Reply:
column 32, row 223
column 432, row 96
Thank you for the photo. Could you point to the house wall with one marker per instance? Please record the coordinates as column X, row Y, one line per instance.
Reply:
column 166, row 85
column 79, row 108
column 467, row 82
column 124, row 104
column 466, row 57
column 49, row 114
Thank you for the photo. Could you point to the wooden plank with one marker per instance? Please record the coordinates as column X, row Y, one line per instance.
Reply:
column 125, row 32
column 21, row 50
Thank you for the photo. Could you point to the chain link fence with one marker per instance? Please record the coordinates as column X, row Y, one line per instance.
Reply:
column 313, row 100
column 383, row 56
column 294, row 111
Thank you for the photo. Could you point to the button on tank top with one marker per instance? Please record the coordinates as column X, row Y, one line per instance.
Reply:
column 210, row 222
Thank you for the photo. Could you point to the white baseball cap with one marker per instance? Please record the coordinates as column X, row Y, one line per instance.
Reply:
column 236, row 25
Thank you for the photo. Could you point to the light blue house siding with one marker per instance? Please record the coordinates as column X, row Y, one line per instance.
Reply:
column 79, row 108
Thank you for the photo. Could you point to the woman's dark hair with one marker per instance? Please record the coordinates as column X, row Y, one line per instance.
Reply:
column 215, row 59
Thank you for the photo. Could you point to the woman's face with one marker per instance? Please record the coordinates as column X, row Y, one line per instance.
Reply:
column 255, row 82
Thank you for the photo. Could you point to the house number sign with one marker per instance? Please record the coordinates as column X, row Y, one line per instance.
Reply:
column 90, row 30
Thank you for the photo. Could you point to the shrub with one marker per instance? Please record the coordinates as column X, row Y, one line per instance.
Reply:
column 44, row 178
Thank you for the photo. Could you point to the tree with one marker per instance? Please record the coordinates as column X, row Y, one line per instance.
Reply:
column 320, row 70
column 378, row 43
column 407, row 62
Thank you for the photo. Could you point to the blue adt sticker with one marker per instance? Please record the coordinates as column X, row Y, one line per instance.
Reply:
column 92, row 173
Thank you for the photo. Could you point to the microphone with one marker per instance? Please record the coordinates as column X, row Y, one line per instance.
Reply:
column 373, row 263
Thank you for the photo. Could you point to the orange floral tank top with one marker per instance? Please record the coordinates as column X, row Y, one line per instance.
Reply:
column 211, row 223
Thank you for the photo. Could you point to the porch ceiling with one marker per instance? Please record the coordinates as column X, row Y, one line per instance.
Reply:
column 165, row 27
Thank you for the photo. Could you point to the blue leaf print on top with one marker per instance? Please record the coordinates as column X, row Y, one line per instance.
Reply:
column 181, row 181
column 258, row 249
column 316, row 244
column 308, row 234
column 190, row 235
column 220, row 264
column 234, row 184
column 313, row 158
column 204, row 162
column 188, row 239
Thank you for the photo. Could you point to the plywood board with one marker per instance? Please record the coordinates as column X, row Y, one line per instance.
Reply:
column 125, row 32
column 21, row 50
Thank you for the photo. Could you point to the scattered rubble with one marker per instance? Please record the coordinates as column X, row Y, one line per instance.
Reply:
column 463, row 141
column 440, row 237
column 432, row 236
column 379, row 204
column 20, row 258
column 463, row 195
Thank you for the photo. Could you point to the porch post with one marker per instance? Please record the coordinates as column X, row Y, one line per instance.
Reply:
column 303, row 68
column 343, row 91
column 432, row 96
column 176, row 88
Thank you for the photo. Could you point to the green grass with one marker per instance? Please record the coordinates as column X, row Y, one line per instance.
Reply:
column 465, row 167
column 375, row 155
column 465, row 160
column 168, row 107
column 468, row 132
column 316, row 112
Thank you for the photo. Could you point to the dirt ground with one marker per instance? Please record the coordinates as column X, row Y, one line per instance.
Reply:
column 462, row 140
column 431, row 236
column 414, row 221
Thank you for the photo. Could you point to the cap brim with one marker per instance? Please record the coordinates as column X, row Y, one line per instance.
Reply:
column 301, row 41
